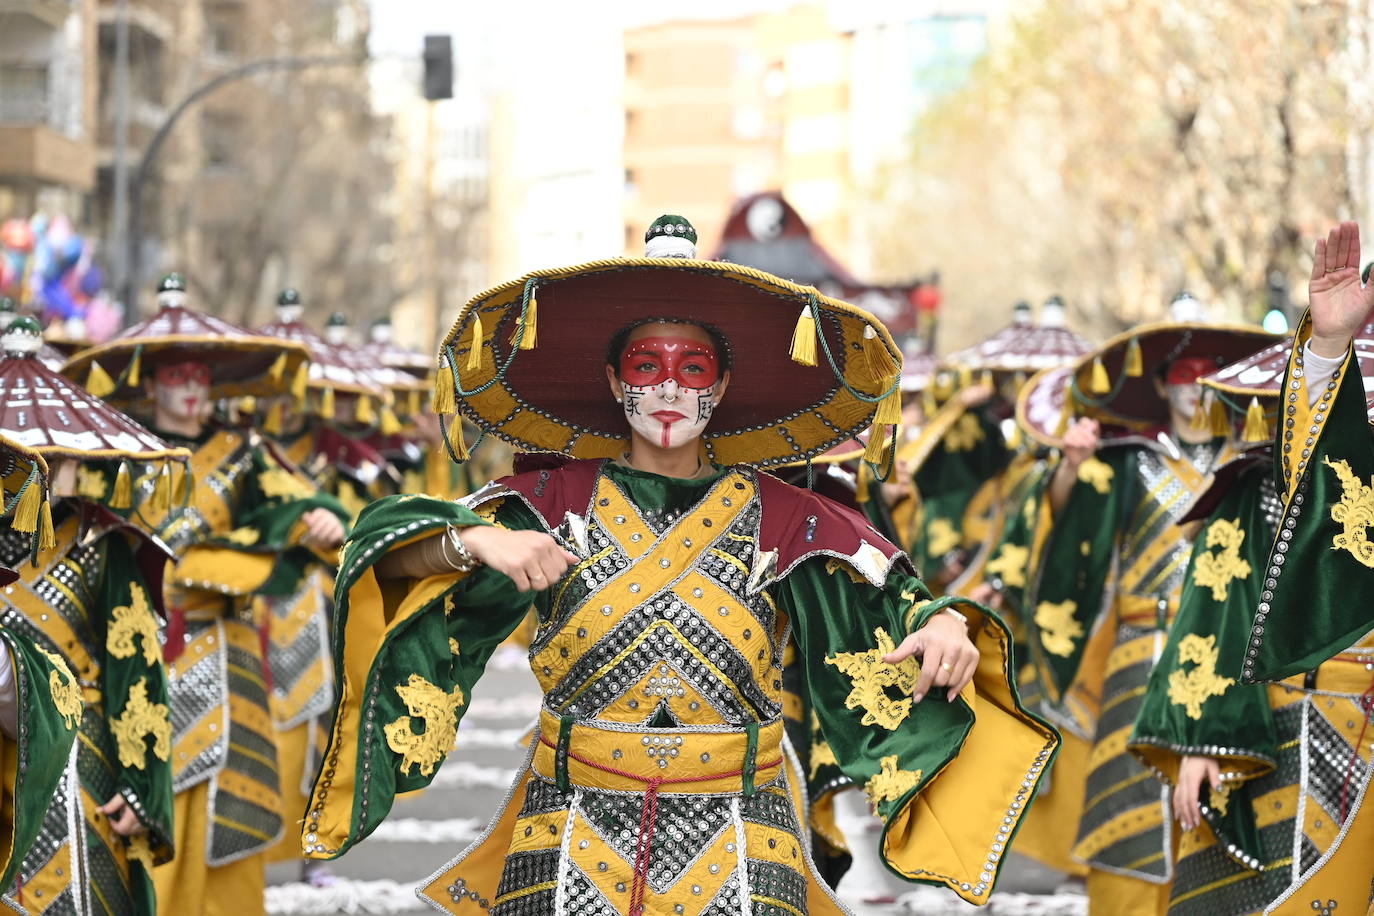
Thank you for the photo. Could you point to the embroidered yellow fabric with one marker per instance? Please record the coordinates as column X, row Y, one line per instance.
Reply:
column 279, row 483
column 1217, row 570
column 1190, row 689
column 964, row 434
column 134, row 619
column 872, row 676
column 438, row 711
column 943, row 536
column 453, row 647
column 1097, row 474
column 1010, row 564
column 834, row 565
column 891, row 782
column 140, row 720
column 1058, row 628
column 66, row 693
column 91, row 483
column 1221, row 797
column 140, row 851
column 1354, row 512
column 247, row 536
column 821, row 754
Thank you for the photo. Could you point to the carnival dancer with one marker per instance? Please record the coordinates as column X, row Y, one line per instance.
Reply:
column 40, row 697
column 244, row 523
column 666, row 574
column 1108, row 581
column 1251, row 765
column 93, row 596
column 1319, row 602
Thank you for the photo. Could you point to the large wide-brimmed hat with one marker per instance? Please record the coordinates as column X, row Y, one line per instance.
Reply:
column 381, row 346
column 329, row 372
column 525, row 361
column 1116, row 384
column 1042, row 406
column 1026, row 345
column 23, row 495
column 397, row 382
column 244, row 363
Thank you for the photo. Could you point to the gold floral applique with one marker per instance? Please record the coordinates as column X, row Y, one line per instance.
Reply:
column 66, row 693
column 1217, row 570
column 134, row 619
column 821, row 754
column 1058, row 628
column 1190, row 689
column 140, row 720
column 438, row 711
column 453, row 647
column 279, row 483
column 245, row 536
column 1010, row 564
column 140, row 851
column 1097, row 474
column 1355, row 513
column 91, row 483
column 834, row 565
column 871, row 676
column 891, row 783
column 942, row 537
column 1221, row 797
column 964, row 434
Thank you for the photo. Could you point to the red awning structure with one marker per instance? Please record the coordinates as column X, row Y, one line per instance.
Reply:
column 764, row 231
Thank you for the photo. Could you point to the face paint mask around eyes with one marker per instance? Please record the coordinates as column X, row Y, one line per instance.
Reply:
column 1184, row 399
column 669, row 386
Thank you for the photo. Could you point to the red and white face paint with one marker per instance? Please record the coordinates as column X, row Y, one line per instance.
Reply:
column 1181, row 383
column 669, row 383
column 183, row 390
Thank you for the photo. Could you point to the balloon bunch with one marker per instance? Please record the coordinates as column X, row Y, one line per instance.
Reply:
column 50, row 269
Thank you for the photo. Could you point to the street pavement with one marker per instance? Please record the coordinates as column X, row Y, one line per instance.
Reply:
column 379, row 875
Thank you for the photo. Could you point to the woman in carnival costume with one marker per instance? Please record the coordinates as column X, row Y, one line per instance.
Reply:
column 241, row 523
column 93, row 594
column 666, row 571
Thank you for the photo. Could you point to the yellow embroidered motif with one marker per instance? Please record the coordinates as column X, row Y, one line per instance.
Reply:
column 66, row 693
column 131, row 620
column 438, row 711
column 1097, row 474
column 1058, row 628
column 821, row 754
column 1355, row 512
column 833, row 566
column 279, row 483
column 891, row 783
column 245, row 536
column 1190, row 689
column 1010, row 564
column 964, row 434
column 914, row 611
column 139, row 720
column 140, row 851
column 91, row 483
column 1221, row 797
column 872, row 676
column 1217, row 570
column 942, row 537
column 453, row 647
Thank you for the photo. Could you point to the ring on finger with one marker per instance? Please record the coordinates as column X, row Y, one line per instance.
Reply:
column 946, row 666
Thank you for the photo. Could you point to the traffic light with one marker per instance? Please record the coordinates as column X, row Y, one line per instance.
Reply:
column 438, row 82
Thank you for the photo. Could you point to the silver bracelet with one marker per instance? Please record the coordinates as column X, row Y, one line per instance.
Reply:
column 464, row 561
column 955, row 614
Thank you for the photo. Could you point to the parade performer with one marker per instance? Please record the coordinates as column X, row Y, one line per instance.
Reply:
column 93, row 595
column 1108, row 581
column 40, row 697
column 1253, row 761
column 1319, row 602
column 242, row 523
column 667, row 572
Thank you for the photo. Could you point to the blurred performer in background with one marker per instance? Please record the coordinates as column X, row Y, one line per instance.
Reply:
column 666, row 573
column 241, row 523
column 93, row 594
column 1107, row 583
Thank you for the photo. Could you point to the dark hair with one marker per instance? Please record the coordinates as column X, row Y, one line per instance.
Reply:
column 620, row 338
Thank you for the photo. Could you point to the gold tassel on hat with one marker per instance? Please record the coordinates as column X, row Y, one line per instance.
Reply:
column 804, row 339
column 98, row 383
column 965, row 377
column 26, row 511
column 123, row 496
column 161, row 500
column 1220, row 422
column 1135, row 361
column 1100, row 383
column 276, row 418
column 363, row 413
column 928, row 402
column 1256, row 423
column 300, row 383
column 1202, row 417
column 444, row 401
column 278, row 368
column 529, row 335
column 47, row 538
column 390, row 426
column 184, row 483
column 135, row 370
column 875, row 452
column 474, row 362
column 889, row 409
column 453, row 433
column 1014, row 439
column 877, row 357
column 861, row 486
column 327, row 404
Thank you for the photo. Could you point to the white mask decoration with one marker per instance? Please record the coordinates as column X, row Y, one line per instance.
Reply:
column 669, row 388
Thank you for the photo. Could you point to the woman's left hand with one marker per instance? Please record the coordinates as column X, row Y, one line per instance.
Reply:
column 948, row 657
